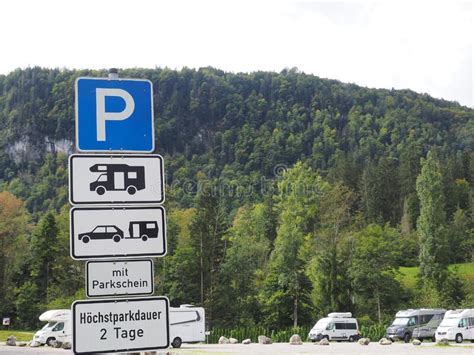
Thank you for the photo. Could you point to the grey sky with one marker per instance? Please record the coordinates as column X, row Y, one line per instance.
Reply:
column 426, row 46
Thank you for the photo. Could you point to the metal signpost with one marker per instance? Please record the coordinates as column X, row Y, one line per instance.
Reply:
column 117, row 217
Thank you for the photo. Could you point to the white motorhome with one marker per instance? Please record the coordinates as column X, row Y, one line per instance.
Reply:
column 58, row 327
column 457, row 325
column 336, row 326
column 187, row 325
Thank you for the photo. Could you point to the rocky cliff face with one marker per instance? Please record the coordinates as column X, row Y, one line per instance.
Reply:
column 23, row 150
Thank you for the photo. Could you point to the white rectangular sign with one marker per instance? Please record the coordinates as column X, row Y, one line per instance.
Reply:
column 108, row 232
column 119, row 278
column 118, row 179
column 120, row 325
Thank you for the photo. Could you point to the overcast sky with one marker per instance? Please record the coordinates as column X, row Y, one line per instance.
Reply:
column 426, row 46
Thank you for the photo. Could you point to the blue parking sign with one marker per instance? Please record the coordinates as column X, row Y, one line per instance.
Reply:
column 114, row 115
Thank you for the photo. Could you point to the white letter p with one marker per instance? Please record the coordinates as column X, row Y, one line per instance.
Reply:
column 103, row 116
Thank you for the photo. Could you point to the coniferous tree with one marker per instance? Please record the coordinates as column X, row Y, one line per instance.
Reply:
column 208, row 227
column 331, row 252
column 43, row 253
column 32, row 294
column 431, row 222
column 443, row 286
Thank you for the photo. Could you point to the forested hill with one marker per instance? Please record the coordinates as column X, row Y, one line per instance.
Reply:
column 288, row 196
column 241, row 126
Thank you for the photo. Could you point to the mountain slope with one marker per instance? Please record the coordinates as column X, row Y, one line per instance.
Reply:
column 241, row 126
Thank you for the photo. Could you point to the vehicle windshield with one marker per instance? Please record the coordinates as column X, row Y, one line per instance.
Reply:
column 321, row 324
column 48, row 325
column 102, row 177
column 400, row 321
column 449, row 322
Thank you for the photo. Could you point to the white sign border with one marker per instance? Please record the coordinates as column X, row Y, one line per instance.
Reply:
column 117, row 300
column 76, row 111
column 152, row 273
column 124, row 257
column 115, row 156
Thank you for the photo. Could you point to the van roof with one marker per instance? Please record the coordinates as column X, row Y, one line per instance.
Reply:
column 340, row 315
column 55, row 315
column 455, row 313
column 420, row 311
column 339, row 319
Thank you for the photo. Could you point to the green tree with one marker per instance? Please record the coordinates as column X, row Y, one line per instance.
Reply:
column 380, row 192
column 180, row 274
column 43, row 255
column 331, row 251
column 431, row 222
column 250, row 242
column 285, row 297
column 461, row 238
column 374, row 269
column 440, row 286
column 67, row 274
column 14, row 227
column 36, row 278
column 209, row 226
column 28, row 306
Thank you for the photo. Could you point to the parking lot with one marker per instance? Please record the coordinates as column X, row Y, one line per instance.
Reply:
column 284, row 348
column 333, row 349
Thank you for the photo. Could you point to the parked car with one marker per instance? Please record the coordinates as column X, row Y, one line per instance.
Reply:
column 457, row 325
column 187, row 325
column 336, row 326
column 58, row 327
column 415, row 323
column 103, row 232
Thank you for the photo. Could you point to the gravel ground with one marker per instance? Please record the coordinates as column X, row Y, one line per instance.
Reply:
column 282, row 348
column 332, row 349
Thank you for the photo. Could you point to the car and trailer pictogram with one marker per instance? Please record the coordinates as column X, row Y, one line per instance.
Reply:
column 138, row 230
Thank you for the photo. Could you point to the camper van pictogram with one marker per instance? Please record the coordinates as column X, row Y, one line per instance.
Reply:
column 118, row 177
column 138, row 230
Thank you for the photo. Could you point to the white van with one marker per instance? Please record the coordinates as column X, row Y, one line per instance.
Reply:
column 337, row 326
column 457, row 325
column 57, row 328
column 187, row 325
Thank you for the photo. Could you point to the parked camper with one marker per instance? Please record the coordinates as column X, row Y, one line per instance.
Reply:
column 457, row 325
column 337, row 326
column 415, row 323
column 187, row 325
column 118, row 177
column 57, row 328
